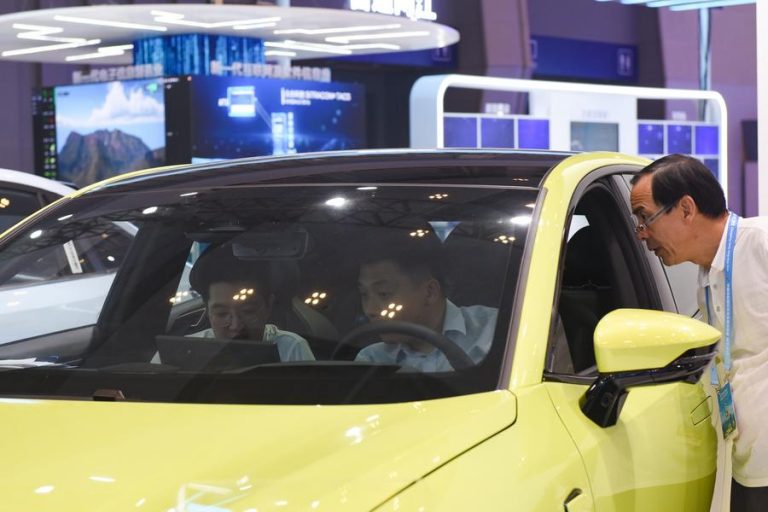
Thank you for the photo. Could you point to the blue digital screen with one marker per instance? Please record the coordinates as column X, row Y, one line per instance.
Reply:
column 236, row 117
column 707, row 140
column 533, row 133
column 460, row 132
column 650, row 139
column 679, row 139
column 589, row 136
column 105, row 129
column 497, row 133
column 712, row 164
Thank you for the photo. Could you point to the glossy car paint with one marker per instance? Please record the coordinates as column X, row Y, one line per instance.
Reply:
column 631, row 339
column 132, row 456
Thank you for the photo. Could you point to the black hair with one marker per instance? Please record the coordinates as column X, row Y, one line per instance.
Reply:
column 217, row 264
column 675, row 176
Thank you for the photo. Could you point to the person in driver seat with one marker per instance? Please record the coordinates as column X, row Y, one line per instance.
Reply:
column 238, row 299
column 406, row 284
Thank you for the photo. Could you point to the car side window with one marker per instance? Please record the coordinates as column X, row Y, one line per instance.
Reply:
column 601, row 270
column 100, row 249
column 15, row 205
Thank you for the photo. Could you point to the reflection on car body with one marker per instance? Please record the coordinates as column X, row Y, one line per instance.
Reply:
column 568, row 400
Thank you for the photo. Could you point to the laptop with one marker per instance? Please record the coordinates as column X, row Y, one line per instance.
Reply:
column 210, row 354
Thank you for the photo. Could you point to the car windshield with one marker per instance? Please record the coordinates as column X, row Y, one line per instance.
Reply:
column 274, row 294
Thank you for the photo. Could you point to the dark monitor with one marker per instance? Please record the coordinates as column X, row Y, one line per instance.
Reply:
column 460, row 132
column 533, row 133
column 706, row 137
column 211, row 354
column 749, row 139
column 497, row 132
column 650, row 139
column 591, row 136
column 236, row 117
column 679, row 139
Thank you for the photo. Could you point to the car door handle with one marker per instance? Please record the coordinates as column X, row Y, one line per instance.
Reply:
column 577, row 501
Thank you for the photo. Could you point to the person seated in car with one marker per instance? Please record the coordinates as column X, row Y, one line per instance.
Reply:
column 238, row 299
column 405, row 284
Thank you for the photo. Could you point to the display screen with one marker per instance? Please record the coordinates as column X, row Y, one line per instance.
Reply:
column 588, row 136
column 679, row 139
column 237, row 117
column 707, row 140
column 650, row 139
column 105, row 129
column 533, row 133
column 460, row 132
column 497, row 133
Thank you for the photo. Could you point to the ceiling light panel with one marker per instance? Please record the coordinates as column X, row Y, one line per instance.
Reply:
column 109, row 23
column 339, row 30
column 388, row 35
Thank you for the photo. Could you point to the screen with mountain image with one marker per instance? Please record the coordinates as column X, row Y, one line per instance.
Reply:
column 106, row 129
column 240, row 116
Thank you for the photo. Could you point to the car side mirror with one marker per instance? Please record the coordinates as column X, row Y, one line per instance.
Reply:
column 636, row 347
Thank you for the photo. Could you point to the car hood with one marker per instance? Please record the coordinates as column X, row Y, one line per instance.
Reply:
column 70, row 455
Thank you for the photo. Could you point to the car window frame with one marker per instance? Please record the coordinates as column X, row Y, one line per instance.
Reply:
column 640, row 269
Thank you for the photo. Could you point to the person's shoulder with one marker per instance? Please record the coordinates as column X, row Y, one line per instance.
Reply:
column 754, row 229
column 479, row 311
column 281, row 336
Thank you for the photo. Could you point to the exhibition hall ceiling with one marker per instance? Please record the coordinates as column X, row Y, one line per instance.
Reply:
column 104, row 34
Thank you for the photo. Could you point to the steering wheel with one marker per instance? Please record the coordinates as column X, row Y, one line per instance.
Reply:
column 455, row 354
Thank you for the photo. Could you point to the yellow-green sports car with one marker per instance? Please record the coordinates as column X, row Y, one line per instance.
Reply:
column 392, row 330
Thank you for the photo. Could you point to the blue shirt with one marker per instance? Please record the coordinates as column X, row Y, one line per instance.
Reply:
column 470, row 327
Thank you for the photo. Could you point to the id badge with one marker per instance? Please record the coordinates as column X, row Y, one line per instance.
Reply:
column 727, row 412
column 725, row 402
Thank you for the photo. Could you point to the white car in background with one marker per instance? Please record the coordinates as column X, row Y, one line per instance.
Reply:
column 48, row 284
column 22, row 193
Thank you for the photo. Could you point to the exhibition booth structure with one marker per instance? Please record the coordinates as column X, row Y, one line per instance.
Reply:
column 571, row 117
column 194, row 83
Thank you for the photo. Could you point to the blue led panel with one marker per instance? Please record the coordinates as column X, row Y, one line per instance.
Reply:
column 650, row 139
column 497, row 133
column 533, row 133
column 707, row 140
column 679, row 139
column 191, row 54
column 460, row 132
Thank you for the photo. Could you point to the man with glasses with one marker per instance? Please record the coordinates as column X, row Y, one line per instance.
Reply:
column 239, row 300
column 681, row 216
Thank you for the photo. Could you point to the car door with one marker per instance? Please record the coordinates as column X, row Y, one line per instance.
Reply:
column 660, row 454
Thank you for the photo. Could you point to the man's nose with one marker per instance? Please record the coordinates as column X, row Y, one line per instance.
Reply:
column 236, row 323
column 371, row 309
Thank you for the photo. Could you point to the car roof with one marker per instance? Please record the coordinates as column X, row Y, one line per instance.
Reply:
column 31, row 180
column 499, row 167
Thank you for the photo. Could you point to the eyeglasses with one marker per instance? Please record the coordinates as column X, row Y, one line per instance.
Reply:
column 644, row 223
column 251, row 314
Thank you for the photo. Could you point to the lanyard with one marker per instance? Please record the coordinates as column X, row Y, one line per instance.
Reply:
column 730, row 244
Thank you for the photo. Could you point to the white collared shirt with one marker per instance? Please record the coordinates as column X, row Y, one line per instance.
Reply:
column 470, row 327
column 749, row 350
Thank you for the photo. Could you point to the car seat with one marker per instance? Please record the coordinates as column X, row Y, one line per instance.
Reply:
column 585, row 295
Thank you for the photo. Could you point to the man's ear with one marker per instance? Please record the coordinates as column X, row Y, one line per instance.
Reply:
column 688, row 207
column 434, row 291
